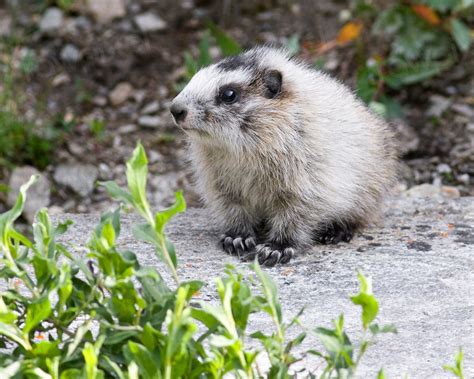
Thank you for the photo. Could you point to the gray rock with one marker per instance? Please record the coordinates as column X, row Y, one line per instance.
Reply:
column 443, row 168
column 5, row 25
column 464, row 110
column 38, row 194
column 149, row 22
column 439, row 105
column 70, row 53
column 151, row 108
column 51, row 20
column 126, row 129
column 78, row 177
column 105, row 11
column 408, row 140
column 121, row 93
column 420, row 262
column 424, row 190
column 150, row 122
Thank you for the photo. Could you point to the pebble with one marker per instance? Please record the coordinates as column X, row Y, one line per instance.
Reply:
column 51, row 20
column 61, row 79
column 100, row 101
column 443, row 168
column 150, row 122
column 464, row 110
column 120, row 93
column 126, row 129
column 5, row 25
column 70, row 53
column 78, row 177
column 105, row 11
column 38, row 195
column 149, row 22
column 151, row 108
column 439, row 105
column 432, row 191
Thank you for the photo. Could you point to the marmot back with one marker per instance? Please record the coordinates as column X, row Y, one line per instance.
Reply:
column 284, row 155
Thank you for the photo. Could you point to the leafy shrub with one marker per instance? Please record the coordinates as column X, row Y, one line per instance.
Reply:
column 23, row 142
column 416, row 41
column 105, row 315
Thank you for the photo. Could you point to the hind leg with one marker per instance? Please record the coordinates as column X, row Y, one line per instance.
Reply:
column 335, row 232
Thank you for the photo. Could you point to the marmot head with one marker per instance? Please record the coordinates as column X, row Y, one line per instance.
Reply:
column 239, row 101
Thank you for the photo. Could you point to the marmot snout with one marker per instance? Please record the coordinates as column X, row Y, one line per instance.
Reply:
column 284, row 155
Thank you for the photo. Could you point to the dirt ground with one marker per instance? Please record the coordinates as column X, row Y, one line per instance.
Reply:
column 125, row 77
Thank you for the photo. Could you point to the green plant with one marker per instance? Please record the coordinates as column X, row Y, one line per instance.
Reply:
column 412, row 41
column 100, row 313
column 23, row 141
column 226, row 44
column 97, row 128
column 457, row 369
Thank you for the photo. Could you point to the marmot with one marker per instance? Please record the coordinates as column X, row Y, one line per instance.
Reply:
column 284, row 155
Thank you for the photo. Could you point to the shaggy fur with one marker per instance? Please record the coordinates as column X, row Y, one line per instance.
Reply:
column 296, row 159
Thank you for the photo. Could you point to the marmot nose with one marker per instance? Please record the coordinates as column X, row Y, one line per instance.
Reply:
column 179, row 112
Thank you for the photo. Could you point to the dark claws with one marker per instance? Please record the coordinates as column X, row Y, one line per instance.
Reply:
column 236, row 246
column 270, row 257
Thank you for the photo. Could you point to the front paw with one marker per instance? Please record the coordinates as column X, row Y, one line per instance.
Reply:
column 269, row 255
column 335, row 233
column 239, row 245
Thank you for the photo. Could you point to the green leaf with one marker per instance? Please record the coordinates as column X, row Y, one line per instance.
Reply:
column 204, row 55
column 461, row 34
column 7, row 218
column 366, row 300
column 381, row 374
column 457, row 369
column 118, row 193
column 137, row 170
column 162, row 217
column 146, row 361
column 226, row 44
column 293, row 45
column 414, row 73
column 37, row 312
column 15, row 334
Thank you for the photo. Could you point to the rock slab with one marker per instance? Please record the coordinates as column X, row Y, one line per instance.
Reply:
column 421, row 262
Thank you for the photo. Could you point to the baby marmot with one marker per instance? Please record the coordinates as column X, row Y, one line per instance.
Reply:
column 284, row 155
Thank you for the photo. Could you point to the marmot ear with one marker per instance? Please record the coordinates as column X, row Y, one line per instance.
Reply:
column 273, row 81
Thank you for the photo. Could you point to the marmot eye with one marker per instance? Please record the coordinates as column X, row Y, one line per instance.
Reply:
column 229, row 95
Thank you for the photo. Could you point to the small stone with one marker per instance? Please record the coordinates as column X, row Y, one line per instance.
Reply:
column 120, row 93
column 151, row 108
column 51, row 21
column 150, row 122
column 450, row 192
column 154, row 156
column 70, row 53
column 61, row 79
column 439, row 105
column 407, row 137
column 150, row 22
column 5, row 25
column 464, row 110
column 464, row 178
column 443, row 168
column 423, row 190
column 105, row 11
column 105, row 173
column 38, row 195
column 100, row 101
column 78, row 177
column 126, row 129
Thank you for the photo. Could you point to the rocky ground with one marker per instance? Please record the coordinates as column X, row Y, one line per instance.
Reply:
column 420, row 260
column 110, row 72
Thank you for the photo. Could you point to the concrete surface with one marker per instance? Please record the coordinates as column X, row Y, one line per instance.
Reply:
column 421, row 262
